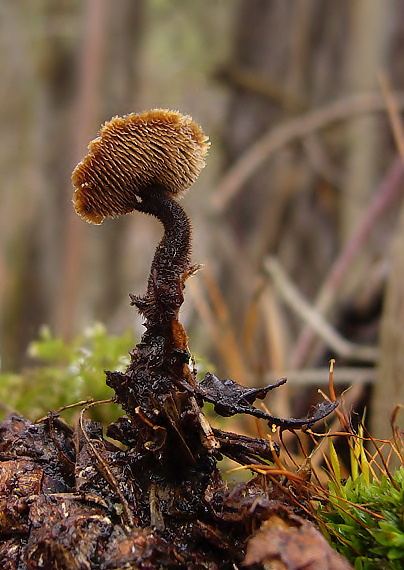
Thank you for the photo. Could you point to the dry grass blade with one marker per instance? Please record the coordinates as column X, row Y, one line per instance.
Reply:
column 212, row 307
column 103, row 466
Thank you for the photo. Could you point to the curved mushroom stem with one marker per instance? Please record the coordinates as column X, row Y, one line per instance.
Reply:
column 171, row 262
column 160, row 361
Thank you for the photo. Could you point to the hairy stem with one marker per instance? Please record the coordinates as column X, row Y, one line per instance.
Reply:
column 171, row 260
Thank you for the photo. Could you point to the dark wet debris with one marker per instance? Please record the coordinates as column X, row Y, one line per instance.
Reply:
column 69, row 499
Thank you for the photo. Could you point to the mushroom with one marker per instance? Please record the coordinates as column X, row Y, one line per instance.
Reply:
column 133, row 154
column 146, row 162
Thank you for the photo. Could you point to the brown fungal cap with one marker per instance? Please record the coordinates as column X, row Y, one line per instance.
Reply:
column 132, row 153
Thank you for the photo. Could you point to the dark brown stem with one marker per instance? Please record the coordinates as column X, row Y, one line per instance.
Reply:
column 171, row 261
column 159, row 363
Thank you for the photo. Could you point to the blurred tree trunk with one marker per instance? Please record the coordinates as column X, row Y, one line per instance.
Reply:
column 106, row 79
column 389, row 388
column 41, row 46
column 370, row 32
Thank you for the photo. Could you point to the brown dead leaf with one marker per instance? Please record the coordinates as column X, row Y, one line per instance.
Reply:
column 288, row 542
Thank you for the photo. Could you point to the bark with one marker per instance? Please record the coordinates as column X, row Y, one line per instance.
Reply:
column 366, row 137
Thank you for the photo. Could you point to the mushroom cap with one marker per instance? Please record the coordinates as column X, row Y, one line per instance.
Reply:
column 133, row 153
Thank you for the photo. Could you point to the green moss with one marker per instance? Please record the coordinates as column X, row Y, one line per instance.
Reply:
column 64, row 373
column 364, row 516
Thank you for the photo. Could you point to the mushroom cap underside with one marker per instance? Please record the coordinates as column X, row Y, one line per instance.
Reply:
column 133, row 153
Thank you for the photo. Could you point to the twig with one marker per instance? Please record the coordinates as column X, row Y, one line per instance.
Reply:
column 258, row 83
column 276, row 343
column 394, row 116
column 319, row 160
column 287, row 132
column 216, row 316
column 316, row 376
column 348, row 400
column 317, row 322
column 394, row 429
column 69, row 407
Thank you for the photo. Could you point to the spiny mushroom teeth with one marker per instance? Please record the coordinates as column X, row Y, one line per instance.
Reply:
column 133, row 153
